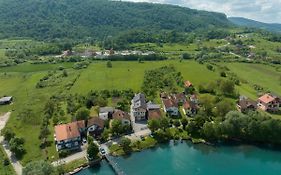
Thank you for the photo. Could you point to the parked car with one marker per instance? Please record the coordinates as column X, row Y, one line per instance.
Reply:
column 102, row 151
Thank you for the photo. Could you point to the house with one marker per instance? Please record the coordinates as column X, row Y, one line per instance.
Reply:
column 6, row 100
column 105, row 113
column 244, row 104
column 123, row 116
column 152, row 106
column 68, row 136
column 187, row 84
column 139, row 107
column 95, row 126
column 154, row 114
column 269, row 102
column 179, row 98
column 170, row 106
column 190, row 108
column 193, row 98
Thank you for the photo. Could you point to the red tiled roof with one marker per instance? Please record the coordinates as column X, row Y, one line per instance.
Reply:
column 95, row 121
column 81, row 124
column 266, row 98
column 119, row 115
column 67, row 131
column 169, row 103
column 186, row 105
column 154, row 114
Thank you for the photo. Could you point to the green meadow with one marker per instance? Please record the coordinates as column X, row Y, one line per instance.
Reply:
column 20, row 82
column 265, row 76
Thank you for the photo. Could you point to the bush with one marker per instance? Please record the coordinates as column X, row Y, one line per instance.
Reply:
column 63, row 153
column 6, row 162
column 186, row 56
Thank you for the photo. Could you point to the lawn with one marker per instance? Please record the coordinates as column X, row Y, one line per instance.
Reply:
column 259, row 74
column 124, row 75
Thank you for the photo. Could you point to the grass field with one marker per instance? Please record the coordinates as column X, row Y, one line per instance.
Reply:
column 20, row 81
column 124, row 75
column 263, row 75
column 5, row 170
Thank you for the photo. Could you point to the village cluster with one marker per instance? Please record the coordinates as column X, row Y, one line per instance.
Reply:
column 103, row 54
column 70, row 136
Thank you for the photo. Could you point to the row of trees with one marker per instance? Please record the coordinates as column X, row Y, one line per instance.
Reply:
column 251, row 127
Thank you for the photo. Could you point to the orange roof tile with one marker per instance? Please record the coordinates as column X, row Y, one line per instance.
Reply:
column 266, row 98
column 67, row 131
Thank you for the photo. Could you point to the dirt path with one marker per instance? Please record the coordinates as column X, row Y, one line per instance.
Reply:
column 15, row 163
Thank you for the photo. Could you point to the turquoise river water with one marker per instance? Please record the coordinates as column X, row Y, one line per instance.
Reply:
column 189, row 159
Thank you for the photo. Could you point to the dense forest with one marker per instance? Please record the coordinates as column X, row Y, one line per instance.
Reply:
column 97, row 19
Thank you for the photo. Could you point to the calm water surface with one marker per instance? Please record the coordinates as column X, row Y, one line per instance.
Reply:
column 189, row 159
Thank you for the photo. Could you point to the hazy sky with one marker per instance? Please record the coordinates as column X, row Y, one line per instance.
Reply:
column 261, row 10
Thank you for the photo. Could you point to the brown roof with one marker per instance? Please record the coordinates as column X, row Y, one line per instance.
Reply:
column 81, row 124
column 245, row 103
column 180, row 96
column 154, row 114
column 119, row 115
column 187, row 84
column 169, row 103
column 67, row 131
column 266, row 98
column 96, row 121
column 189, row 104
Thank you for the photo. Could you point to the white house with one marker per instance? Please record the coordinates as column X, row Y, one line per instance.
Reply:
column 106, row 112
column 139, row 107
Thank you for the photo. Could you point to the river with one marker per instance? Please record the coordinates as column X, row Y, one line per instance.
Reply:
column 190, row 159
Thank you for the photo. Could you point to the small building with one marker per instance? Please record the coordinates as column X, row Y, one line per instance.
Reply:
column 269, row 102
column 244, row 104
column 105, row 113
column 152, row 106
column 170, row 106
column 193, row 98
column 154, row 114
column 179, row 98
column 139, row 107
column 95, row 126
column 187, row 84
column 68, row 136
column 6, row 100
column 190, row 108
column 124, row 117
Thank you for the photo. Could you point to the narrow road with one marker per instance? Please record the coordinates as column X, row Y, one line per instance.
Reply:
column 14, row 162
column 70, row 158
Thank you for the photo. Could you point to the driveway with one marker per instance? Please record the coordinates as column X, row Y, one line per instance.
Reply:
column 68, row 159
column 137, row 125
column 14, row 162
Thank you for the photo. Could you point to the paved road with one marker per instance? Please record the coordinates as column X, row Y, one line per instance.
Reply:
column 15, row 163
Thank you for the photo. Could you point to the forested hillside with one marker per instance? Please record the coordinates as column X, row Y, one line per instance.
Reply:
column 76, row 19
column 255, row 24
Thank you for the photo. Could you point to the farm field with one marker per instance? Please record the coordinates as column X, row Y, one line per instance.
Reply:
column 20, row 82
column 265, row 76
column 124, row 75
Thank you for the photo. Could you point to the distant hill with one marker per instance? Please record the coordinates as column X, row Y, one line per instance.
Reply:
column 45, row 19
column 273, row 27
